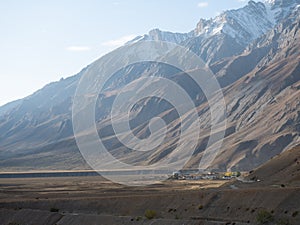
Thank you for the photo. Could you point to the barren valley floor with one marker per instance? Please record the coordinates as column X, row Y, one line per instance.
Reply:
column 94, row 200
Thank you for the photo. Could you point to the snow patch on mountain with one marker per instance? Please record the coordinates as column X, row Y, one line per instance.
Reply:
column 244, row 25
column 158, row 35
column 270, row 2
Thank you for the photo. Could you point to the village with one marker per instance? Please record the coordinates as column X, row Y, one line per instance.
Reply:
column 196, row 175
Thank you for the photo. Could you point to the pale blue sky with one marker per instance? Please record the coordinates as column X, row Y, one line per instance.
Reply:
column 42, row 41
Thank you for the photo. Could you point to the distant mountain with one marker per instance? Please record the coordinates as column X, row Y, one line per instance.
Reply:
column 261, row 88
column 158, row 35
column 254, row 52
column 264, row 104
column 230, row 32
column 9, row 106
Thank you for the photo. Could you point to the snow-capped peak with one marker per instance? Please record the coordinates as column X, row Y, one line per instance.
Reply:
column 248, row 23
column 158, row 35
column 244, row 25
column 270, row 2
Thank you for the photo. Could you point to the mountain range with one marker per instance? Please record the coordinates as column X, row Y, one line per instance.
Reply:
column 254, row 52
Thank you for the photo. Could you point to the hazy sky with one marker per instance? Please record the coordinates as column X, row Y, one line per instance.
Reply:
column 42, row 41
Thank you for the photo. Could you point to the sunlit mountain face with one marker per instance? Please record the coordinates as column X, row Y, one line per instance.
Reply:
column 253, row 52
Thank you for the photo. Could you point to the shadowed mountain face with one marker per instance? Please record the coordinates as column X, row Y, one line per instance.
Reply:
column 283, row 169
column 259, row 73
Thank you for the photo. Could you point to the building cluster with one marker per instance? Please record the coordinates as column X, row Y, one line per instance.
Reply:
column 196, row 175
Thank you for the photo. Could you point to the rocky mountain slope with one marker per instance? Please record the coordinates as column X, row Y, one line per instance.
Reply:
column 260, row 79
column 262, row 104
column 282, row 170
